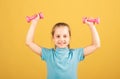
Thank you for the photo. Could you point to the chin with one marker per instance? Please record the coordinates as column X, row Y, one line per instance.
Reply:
column 62, row 46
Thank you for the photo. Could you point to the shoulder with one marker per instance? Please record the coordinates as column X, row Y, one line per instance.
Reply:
column 78, row 52
column 47, row 49
column 46, row 52
column 77, row 49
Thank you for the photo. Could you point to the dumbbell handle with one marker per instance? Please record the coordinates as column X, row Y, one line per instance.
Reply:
column 29, row 18
column 95, row 20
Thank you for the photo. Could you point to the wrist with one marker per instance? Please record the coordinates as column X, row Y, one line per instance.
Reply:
column 34, row 21
column 91, row 26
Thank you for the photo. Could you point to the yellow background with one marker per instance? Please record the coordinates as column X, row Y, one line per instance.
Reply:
column 17, row 61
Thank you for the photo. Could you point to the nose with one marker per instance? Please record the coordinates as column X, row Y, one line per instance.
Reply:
column 61, row 39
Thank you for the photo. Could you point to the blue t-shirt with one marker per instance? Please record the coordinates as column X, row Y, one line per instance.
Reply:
column 62, row 63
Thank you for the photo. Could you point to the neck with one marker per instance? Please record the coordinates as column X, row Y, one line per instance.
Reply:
column 65, row 49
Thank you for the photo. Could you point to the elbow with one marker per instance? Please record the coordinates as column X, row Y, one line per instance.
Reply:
column 98, row 46
column 28, row 43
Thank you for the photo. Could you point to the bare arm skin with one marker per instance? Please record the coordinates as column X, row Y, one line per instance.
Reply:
column 30, row 37
column 95, row 40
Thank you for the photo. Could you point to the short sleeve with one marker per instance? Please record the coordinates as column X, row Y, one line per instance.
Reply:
column 45, row 53
column 80, row 53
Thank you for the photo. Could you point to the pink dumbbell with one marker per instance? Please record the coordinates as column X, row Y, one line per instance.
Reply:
column 29, row 18
column 95, row 20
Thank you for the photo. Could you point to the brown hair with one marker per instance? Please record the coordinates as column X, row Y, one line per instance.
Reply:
column 61, row 24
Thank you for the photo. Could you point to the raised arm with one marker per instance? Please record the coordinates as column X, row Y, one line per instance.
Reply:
column 30, row 37
column 95, row 40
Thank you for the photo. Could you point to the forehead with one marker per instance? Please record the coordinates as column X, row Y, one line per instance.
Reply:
column 62, row 30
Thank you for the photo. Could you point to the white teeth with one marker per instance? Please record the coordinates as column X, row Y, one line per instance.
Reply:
column 62, row 43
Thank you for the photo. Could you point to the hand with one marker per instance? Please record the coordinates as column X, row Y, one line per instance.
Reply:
column 88, row 22
column 36, row 18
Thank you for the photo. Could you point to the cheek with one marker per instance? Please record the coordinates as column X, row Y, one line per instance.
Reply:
column 68, row 38
column 54, row 39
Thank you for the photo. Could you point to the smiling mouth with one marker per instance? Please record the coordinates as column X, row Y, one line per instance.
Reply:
column 62, row 43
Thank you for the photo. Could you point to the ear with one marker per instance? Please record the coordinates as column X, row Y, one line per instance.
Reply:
column 53, row 38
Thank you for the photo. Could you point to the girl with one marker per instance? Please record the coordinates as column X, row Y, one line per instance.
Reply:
column 62, row 61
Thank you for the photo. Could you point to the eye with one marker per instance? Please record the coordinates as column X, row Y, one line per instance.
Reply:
column 65, row 36
column 58, row 36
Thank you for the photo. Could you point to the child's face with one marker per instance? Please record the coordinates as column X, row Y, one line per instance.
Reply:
column 61, row 37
